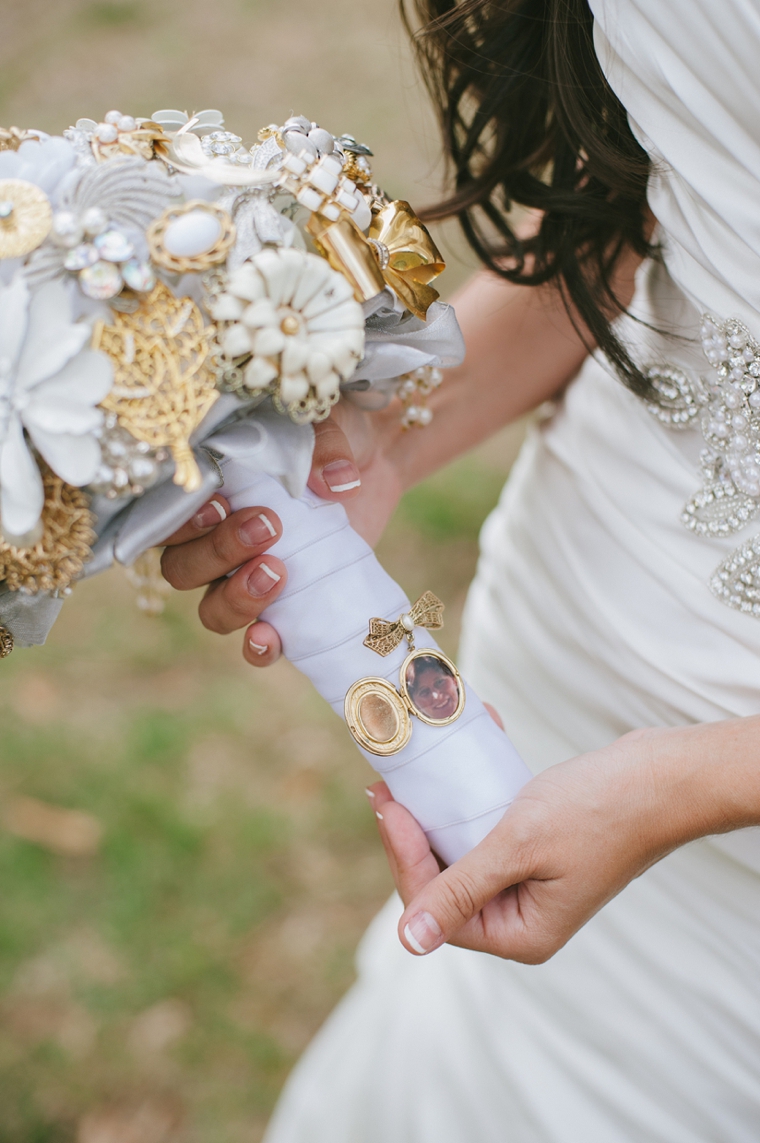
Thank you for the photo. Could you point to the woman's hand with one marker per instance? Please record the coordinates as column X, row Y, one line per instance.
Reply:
column 573, row 838
column 215, row 542
column 210, row 546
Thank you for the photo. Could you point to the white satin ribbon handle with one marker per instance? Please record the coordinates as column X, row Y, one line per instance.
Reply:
column 457, row 780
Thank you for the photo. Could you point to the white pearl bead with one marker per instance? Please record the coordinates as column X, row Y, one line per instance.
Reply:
column 67, row 230
column 112, row 117
column 106, row 133
column 127, row 123
column 94, row 220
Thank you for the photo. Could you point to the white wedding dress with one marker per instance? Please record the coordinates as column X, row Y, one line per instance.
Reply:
column 592, row 613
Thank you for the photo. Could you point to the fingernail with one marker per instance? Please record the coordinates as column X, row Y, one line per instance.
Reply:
column 379, row 816
column 341, row 475
column 369, row 793
column 259, row 648
column 258, row 530
column 210, row 514
column 262, row 579
column 423, row 933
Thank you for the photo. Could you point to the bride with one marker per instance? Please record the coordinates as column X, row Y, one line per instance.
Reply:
column 614, row 622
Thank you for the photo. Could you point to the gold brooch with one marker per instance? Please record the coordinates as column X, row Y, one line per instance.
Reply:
column 385, row 637
column 6, row 642
column 58, row 557
column 164, row 383
column 26, row 217
column 191, row 238
column 378, row 715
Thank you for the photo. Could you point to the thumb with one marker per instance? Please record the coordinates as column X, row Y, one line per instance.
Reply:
column 452, row 901
column 334, row 472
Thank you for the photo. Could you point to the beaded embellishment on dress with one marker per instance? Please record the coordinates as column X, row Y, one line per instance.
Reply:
column 726, row 406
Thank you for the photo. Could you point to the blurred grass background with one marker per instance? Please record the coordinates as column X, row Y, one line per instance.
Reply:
column 206, row 860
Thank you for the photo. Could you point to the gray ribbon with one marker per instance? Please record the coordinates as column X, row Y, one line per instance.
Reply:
column 397, row 343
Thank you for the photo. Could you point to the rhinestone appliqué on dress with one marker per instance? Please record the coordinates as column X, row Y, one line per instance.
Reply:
column 727, row 409
column 678, row 402
column 737, row 581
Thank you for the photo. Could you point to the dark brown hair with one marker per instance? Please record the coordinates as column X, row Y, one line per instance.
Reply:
column 529, row 119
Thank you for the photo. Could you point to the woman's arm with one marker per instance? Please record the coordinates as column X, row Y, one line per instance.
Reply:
column 522, row 348
column 575, row 836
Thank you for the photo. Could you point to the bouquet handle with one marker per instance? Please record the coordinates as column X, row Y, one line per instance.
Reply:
column 456, row 775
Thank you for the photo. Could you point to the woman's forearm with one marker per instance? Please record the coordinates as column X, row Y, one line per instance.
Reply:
column 705, row 778
column 521, row 350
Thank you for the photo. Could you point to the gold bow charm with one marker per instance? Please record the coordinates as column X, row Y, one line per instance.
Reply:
column 385, row 637
column 409, row 259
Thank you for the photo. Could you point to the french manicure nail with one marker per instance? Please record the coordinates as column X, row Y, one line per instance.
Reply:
column 423, row 933
column 262, row 579
column 379, row 816
column 210, row 514
column 259, row 648
column 341, row 476
column 258, row 530
column 369, row 793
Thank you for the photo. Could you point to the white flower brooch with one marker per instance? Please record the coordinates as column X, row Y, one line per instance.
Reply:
column 50, row 385
column 291, row 327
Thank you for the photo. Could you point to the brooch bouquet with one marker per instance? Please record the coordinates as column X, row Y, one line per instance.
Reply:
column 176, row 310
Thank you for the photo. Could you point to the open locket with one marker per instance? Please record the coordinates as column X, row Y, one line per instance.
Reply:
column 379, row 716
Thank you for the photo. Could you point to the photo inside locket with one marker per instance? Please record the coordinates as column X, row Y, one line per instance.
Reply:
column 378, row 716
column 432, row 687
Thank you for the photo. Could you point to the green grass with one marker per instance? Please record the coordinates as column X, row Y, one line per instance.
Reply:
column 239, row 860
column 112, row 13
column 453, row 504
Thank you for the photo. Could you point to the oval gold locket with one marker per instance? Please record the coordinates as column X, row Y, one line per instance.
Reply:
column 380, row 717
